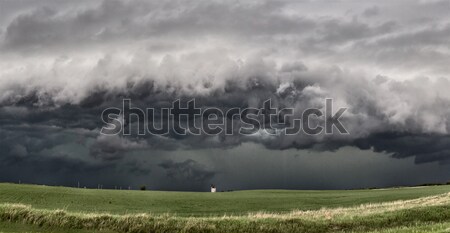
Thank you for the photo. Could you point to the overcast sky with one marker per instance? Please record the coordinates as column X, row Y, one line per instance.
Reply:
column 63, row 62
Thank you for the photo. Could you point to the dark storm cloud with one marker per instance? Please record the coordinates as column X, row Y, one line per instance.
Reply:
column 54, row 155
column 62, row 64
column 188, row 171
column 425, row 148
column 114, row 147
column 366, row 114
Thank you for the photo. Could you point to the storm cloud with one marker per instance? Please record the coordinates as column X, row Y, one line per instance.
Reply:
column 63, row 63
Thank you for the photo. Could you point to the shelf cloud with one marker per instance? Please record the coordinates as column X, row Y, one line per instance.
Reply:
column 63, row 63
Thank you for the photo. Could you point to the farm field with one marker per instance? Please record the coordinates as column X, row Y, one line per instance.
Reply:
column 36, row 208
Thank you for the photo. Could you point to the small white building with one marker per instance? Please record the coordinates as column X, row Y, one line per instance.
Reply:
column 213, row 188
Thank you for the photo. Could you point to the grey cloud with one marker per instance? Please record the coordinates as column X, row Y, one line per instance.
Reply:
column 113, row 147
column 371, row 11
column 435, row 36
column 118, row 20
column 335, row 32
column 425, row 148
column 57, row 156
column 188, row 169
column 61, row 64
column 46, row 27
column 374, row 107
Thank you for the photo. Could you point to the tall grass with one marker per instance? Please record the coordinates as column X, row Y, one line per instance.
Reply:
column 435, row 209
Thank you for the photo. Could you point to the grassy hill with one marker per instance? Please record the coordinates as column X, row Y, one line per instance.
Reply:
column 61, row 209
column 198, row 203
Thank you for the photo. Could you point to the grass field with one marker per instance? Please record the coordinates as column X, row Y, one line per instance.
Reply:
column 33, row 208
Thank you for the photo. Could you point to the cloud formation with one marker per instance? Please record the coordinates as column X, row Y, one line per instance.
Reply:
column 61, row 64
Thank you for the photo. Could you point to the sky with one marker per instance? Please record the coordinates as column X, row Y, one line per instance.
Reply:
column 63, row 62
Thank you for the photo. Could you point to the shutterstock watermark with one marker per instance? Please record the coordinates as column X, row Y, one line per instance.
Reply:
column 185, row 118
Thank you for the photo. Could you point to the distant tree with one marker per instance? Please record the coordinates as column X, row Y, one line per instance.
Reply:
column 143, row 187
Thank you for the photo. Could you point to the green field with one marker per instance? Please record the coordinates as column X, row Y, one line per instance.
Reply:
column 60, row 209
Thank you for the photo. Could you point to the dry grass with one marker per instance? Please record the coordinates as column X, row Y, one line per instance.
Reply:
column 362, row 210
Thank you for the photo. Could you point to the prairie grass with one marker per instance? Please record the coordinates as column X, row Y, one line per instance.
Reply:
column 366, row 217
column 201, row 204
